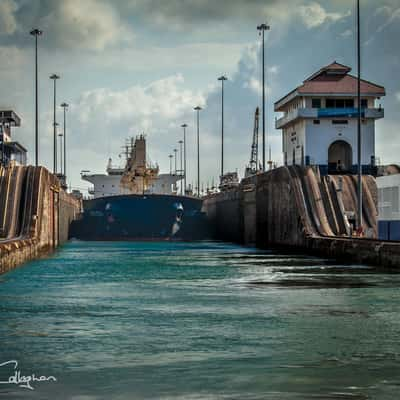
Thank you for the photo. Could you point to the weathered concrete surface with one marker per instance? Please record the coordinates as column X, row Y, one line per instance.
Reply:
column 34, row 214
column 360, row 251
column 293, row 207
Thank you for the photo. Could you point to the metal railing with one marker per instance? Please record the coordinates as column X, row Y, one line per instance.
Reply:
column 316, row 113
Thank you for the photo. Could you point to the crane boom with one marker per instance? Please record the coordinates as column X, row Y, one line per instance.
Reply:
column 253, row 164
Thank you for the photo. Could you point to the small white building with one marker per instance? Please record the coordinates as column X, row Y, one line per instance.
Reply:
column 319, row 122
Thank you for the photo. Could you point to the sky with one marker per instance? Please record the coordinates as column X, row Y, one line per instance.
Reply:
column 141, row 66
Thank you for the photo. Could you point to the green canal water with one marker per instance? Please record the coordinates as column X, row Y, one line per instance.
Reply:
column 198, row 321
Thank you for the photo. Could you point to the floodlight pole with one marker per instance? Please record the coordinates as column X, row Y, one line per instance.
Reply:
column 54, row 77
column 197, row 109
column 36, row 33
column 222, row 79
column 65, row 107
column 262, row 28
column 180, row 159
column 184, row 126
column 359, row 158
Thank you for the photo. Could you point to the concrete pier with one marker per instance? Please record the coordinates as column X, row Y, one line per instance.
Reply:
column 35, row 214
column 297, row 209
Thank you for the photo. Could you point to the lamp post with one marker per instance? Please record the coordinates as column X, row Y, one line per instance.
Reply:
column 359, row 161
column 54, row 77
column 175, row 151
column 175, row 185
column 60, row 135
column 180, row 159
column 262, row 28
column 184, row 126
column 222, row 79
column 198, row 108
column 65, row 107
column 36, row 33
column 170, row 164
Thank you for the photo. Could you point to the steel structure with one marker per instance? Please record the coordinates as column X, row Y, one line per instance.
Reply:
column 253, row 164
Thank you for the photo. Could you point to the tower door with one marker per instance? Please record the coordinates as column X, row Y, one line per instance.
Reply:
column 340, row 156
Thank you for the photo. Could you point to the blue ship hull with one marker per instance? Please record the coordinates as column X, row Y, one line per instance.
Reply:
column 141, row 217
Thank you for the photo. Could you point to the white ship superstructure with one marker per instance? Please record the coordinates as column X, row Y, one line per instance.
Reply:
column 136, row 177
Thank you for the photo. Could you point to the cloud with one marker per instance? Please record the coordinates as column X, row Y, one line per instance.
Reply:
column 151, row 109
column 384, row 21
column 390, row 14
column 387, row 145
column 221, row 55
column 11, row 58
column 314, row 15
column 179, row 15
column 159, row 108
column 160, row 100
column 89, row 24
column 274, row 69
column 8, row 22
column 397, row 95
column 346, row 33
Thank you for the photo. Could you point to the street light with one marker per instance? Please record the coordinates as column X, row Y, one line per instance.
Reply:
column 184, row 126
column 222, row 79
column 359, row 160
column 262, row 28
column 170, row 164
column 60, row 135
column 65, row 107
column 54, row 77
column 175, row 151
column 36, row 33
column 180, row 157
column 198, row 108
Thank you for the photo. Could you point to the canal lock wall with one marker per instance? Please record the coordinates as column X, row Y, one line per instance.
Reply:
column 294, row 208
column 35, row 214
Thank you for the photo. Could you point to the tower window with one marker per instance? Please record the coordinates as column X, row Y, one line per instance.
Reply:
column 364, row 103
column 316, row 122
column 349, row 103
column 340, row 122
column 316, row 103
column 339, row 103
column 330, row 103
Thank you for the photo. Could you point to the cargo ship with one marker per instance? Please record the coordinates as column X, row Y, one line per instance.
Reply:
column 136, row 202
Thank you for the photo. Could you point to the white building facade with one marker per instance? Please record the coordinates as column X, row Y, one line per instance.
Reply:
column 319, row 122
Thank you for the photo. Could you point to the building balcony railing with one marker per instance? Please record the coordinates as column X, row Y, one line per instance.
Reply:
column 316, row 113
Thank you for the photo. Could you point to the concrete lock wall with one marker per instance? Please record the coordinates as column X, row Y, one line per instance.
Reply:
column 35, row 214
column 223, row 213
column 265, row 209
column 294, row 207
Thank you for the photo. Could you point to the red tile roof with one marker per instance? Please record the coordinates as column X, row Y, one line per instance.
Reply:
column 335, row 79
column 334, row 68
column 346, row 84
